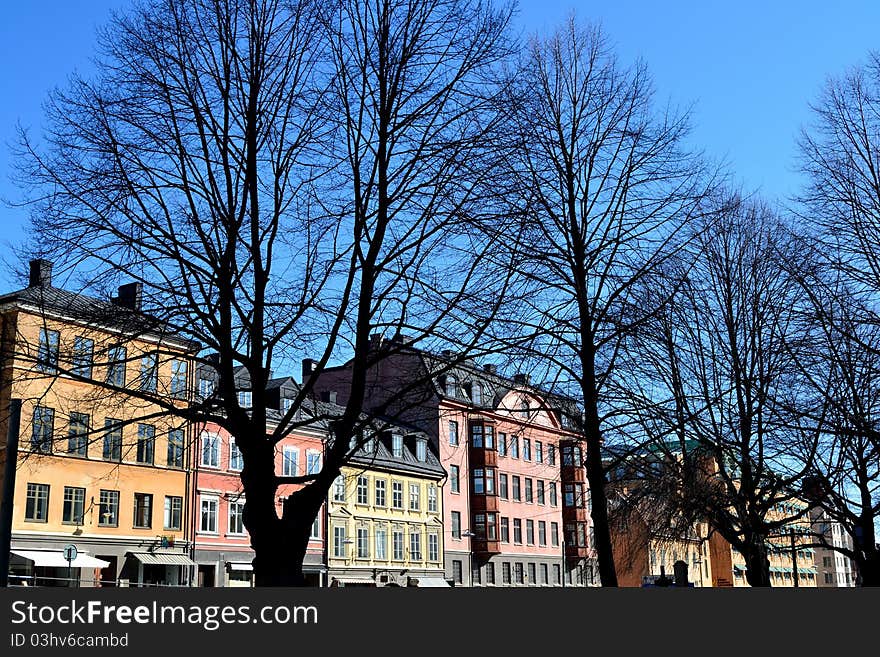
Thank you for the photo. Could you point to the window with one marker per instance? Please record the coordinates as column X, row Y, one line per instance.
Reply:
column 415, row 545
column 396, row 445
column 397, row 494
column 339, row 489
column 286, row 404
column 112, row 440
column 174, row 458
column 475, row 574
column 545, row 574
column 178, row 378
column 397, row 545
column 540, row 487
column 146, row 443
column 316, row 529
column 502, row 486
column 456, row 571
column 236, row 517
column 210, row 450
column 573, row 495
column 379, row 490
column 514, row 447
column 451, row 387
column 502, row 444
column 289, row 461
column 208, row 516
column 505, row 572
column 381, row 543
column 174, row 512
column 363, row 487
column 528, row 490
column 47, row 352
column 143, row 510
column 236, row 461
column 517, row 495
column 489, row 437
column 517, row 531
column 533, row 578
column 485, row 526
column 453, row 478
column 477, row 394
column 432, row 498
column 83, row 356
column 557, row 574
column 453, row 432
column 551, row 454
column 484, row 481
column 530, row 532
column 433, row 547
column 554, row 533
column 78, row 439
column 421, row 450
column 36, row 507
column 313, row 462
column 108, row 508
column 206, row 388
column 539, row 452
column 42, row 429
column 363, row 543
column 149, row 373
column 527, row 449
column 567, row 457
column 339, row 541
column 519, row 575
column 414, row 495
column 505, row 530
column 116, row 361
column 552, row 493
column 477, row 436
column 456, row 524
column 490, row 573
column 245, row 398
column 542, row 532
column 524, row 409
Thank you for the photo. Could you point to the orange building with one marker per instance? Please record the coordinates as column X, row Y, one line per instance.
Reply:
column 100, row 465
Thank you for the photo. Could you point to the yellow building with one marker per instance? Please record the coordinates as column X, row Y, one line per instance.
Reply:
column 385, row 513
column 103, row 469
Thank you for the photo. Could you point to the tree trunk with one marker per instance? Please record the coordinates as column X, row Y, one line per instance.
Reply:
column 869, row 569
column 757, row 563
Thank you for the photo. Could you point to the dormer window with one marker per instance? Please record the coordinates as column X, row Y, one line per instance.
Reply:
column 422, row 450
column 451, row 385
column 524, row 408
column 286, row 403
column 244, row 398
column 370, row 445
column 477, row 394
column 396, row 445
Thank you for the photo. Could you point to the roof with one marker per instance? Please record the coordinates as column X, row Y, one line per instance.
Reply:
column 88, row 309
column 381, row 458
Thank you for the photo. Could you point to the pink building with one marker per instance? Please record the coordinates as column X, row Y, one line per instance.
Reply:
column 516, row 501
column 221, row 542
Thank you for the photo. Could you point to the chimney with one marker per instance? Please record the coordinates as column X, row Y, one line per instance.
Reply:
column 521, row 379
column 490, row 368
column 329, row 396
column 41, row 273
column 309, row 365
column 130, row 295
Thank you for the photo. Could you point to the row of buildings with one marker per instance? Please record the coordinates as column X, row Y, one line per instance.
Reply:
column 478, row 481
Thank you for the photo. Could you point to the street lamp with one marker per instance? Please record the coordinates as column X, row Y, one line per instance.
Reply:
column 467, row 533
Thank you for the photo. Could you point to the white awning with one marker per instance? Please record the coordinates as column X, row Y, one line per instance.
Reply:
column 430, row 581
column 364, row 581
column 163, row 558
column 57, row 560
column 239, row 566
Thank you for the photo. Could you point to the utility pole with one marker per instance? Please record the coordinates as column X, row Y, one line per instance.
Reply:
column 794, row 565
column 9, row 489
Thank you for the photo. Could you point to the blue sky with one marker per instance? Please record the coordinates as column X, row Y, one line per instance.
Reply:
column 750, row 68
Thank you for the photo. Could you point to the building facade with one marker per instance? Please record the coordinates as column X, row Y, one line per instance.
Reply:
column 385, row 525
column 516, row 502
column 833, row 568
column 101, row 468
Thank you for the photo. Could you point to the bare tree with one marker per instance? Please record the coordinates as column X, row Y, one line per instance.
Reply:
column 284, row 178
column 722, row 384
column 607, row 187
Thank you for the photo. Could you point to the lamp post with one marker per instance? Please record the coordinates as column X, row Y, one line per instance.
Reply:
column 467, row 533
column 564, row 560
